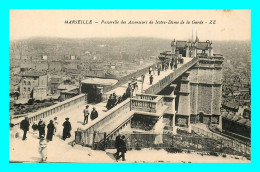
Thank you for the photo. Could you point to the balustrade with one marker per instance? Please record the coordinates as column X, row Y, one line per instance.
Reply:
column 52, row 109
column 143, row 105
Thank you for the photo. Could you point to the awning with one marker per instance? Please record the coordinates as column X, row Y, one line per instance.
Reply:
column 99, row 81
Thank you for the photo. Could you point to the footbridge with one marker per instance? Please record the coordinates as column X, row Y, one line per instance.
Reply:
column 144, row 102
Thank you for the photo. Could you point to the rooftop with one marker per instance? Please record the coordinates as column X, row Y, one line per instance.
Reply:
column 99, row 81
column 34, row 73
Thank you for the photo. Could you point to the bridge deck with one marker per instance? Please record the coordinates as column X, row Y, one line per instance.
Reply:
column 120, row 90
column 76, row 112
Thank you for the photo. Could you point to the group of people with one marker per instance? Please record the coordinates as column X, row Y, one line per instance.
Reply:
column 93, row 115
column 163, row 67
column 120, row 146
column 113, row 100
column 51, row 130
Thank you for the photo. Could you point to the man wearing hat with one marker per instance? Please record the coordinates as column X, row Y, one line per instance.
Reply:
column 66, row 129
column 86, row 114
column 25, row 127
column 41, row 128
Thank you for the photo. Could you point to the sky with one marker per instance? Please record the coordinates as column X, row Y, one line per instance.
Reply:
column 229, row 24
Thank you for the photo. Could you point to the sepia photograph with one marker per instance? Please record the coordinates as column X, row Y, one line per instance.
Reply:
column 130, row 86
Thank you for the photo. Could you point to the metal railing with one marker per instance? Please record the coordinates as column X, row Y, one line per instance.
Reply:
column 127, row 78
column 243, row 148
column 157, row 87
column 178, row 142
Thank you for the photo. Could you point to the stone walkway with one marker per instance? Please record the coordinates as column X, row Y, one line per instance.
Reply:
column 76, row 118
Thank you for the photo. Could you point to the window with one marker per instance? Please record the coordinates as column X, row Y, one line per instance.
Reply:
column 24, row 82
column 24, row 89
column 29, row 83
column 29, row 89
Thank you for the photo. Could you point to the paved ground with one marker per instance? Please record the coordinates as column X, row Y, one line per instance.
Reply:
column 61, row 151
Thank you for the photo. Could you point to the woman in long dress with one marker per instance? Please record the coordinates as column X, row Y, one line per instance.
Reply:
column 50, row 131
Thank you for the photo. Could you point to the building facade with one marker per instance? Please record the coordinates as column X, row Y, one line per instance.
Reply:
column 200, row 88
column 33, row 80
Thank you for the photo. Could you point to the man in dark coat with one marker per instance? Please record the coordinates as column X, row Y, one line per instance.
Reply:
column 122, row 148
column 128, row 91
column 151, row 79
column 41, row 128
column 171, row 64
column 50, row 130
column 66, row 129
column 94, row 114
column 25, row 126
column 124, row 97
column 119, row 100
column 114, row 100
column 117, row 141
column 159, row 70
column 109, row 102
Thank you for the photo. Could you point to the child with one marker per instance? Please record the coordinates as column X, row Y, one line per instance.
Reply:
column 34, row 127
column 43, row 148
column 55, row 122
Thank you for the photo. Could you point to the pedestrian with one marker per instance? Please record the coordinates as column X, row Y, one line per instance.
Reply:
column 94, row 114
column 119, row 100
column 50, row 130
column 128, row 91
column 136, row 87
column 86, row 114
column 43, row 148
column 142, row 76
column 25, row 127
column 113, row 100
column 109, row 102
column 166, row 66
column 34, row 127
column 66, row 129
column 151, row 79
column 41, row 128
column 122, row 148
column 124, row 97
column 117, row 141
column 55, row 124
column 159, row 71
column 163, row 66
column 150, row 70
column 171, row 64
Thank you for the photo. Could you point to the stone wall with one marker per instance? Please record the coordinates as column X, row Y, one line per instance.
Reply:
column 205, row 97
column 193, row 98
column 216, row 101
